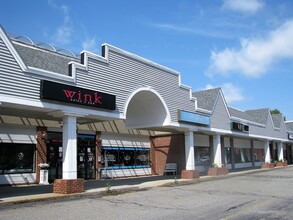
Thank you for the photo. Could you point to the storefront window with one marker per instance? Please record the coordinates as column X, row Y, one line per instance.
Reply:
column 125, row 157
column 16, row 158
column 202, row 156
column 259, row 155
column 242, row 155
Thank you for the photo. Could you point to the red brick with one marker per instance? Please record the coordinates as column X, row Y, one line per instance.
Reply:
column 167, row 149
column 41, row 149
column 63, row 186
column 189, row 174
column 218, row 171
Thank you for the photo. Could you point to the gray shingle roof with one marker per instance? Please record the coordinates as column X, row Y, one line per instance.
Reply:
column 277, row 118
column 43, row 59
column 259, row 116
column 239, row 114
column 289, row 126
column 206, row 99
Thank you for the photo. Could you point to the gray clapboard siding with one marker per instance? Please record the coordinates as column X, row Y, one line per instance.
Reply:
column 13, row 80
column 220, row 118
column 122, row 75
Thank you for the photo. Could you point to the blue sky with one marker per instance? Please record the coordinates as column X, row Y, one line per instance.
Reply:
column 243, row 46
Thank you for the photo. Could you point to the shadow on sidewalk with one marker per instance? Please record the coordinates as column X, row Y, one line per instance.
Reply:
column 35, row 189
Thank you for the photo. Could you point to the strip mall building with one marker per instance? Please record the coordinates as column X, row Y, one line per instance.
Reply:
column 119, row 115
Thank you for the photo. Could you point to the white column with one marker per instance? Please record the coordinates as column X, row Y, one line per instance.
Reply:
column 267, row 152
column 280, row 151
column 189, row 150
column 69, row 165
column 217, row 150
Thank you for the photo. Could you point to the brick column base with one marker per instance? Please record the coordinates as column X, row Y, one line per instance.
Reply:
column 218, row 171
column 282, row 164
column 189, row 174
column 63, row 186
column 268, row 166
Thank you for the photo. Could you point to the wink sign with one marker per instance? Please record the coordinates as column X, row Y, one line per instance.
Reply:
column 71, row 94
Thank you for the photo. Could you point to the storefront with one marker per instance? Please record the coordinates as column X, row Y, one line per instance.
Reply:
column 118, row 115
column 202, row 152
column 88, row 118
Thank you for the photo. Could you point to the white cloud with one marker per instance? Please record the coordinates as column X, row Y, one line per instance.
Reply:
column 201, row 31
column 243, row 6
column 90, row 45
column 231, row 93
column 255, row 56
column 64, row 32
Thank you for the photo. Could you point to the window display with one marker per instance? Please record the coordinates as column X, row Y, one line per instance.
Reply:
column 124, row 157
column 202, row 156
column 242, row 155
column 259, row 155
column 16, row 158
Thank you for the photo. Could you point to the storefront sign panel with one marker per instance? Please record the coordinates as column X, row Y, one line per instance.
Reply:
column 190, row 117
column 71, row 94
column 239, row 127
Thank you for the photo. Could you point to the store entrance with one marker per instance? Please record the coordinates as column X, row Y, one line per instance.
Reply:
column 54, row 155
column 288, row 154
column 86, row 149
column 86, row 157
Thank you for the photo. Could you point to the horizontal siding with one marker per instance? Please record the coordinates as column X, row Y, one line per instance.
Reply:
column 123, row 75
column 220, row 118
column 13, row 81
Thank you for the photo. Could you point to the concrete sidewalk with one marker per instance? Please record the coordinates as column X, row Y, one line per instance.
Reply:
column 10, row 195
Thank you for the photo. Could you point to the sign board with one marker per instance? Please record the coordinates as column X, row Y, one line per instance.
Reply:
column 191, row 117
column 239, row 127
column 290, row 136
column 71, row 94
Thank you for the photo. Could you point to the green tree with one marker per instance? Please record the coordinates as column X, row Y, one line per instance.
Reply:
column 275, row 111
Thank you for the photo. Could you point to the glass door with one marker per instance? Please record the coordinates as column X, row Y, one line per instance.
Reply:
column 86, row 157
column 54, row 155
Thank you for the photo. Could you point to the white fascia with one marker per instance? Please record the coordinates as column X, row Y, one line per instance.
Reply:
column 84, row 66
column 229, row 132
column 150, row 89
column 12, row 50
column 88, row 54
column 204, row 111
column 189, row 88
column 44, row 74
column 57, row 107
column 247, row 122
column 224, row 100
column 40, row 73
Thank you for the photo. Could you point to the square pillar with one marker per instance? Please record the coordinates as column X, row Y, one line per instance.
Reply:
column 189, row 150
column 280, row 151
column 267, row 151
column 217, row 150
column 69, row 165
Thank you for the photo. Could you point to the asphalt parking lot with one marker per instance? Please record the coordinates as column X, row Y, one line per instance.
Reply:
column 259, row 195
